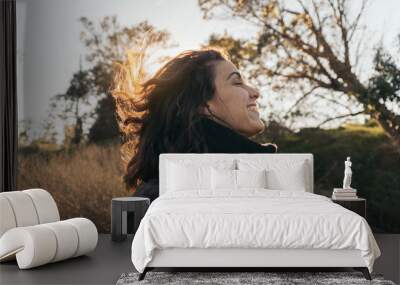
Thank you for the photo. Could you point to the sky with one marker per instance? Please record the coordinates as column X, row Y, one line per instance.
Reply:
column 48, row 45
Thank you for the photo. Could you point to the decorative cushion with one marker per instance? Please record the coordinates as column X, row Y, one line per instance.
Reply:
column 281, row 175
column 228, row 179
column 223, row 179
column 188, row 177
column 251, row 178
column 187, row 174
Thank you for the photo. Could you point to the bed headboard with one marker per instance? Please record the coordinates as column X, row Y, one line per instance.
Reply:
column 207, row 157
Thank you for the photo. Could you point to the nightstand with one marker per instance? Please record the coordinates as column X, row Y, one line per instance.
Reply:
column 121, row 222
column 357, row 205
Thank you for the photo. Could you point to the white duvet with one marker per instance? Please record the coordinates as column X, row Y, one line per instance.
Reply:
column 251, row 218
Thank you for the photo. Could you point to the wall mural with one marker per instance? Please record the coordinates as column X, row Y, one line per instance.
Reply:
column 326, row 91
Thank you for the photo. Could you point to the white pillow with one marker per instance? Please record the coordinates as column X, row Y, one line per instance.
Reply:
column 188, row 177
column 251, row 178
column 223, row 179
column 281, row 174
column 229, row 179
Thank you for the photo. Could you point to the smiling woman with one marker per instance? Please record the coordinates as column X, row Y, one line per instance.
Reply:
column 196, row 103
column 234, row 103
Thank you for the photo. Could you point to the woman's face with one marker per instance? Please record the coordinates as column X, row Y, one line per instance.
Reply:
column 234, row 101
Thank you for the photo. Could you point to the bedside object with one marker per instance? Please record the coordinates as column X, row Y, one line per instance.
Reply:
column 357, row 205
column 343, row 194
column 120, row 207
column 347, row 174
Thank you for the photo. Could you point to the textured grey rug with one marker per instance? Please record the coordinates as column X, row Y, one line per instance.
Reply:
column 230, row 278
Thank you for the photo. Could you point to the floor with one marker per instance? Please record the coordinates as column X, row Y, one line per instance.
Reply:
column 102, row 266
column 111, row 259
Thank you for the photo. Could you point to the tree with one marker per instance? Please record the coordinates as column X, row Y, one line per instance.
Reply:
column 107, row 44
column 314, row 47
column 77, row 93
column 384, row 86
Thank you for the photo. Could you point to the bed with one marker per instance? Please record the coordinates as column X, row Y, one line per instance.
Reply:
column 247, row 210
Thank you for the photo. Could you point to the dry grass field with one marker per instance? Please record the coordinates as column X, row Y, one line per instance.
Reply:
column 82, row 181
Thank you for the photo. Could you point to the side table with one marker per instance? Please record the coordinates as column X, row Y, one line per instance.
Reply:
column 357, row 205
column 120, row 221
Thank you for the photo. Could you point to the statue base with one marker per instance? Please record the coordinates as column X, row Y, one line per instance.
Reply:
column 344, row 190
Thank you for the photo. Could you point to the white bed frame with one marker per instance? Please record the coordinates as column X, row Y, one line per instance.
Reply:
column 250, row 257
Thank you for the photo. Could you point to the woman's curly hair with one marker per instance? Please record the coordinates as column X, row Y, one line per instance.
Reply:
column 160, row 114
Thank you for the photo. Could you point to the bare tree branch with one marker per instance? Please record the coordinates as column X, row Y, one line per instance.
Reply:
column 340, row 117
column 301, row 99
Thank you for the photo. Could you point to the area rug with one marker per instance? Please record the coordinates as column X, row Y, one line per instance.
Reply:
column 230, row 278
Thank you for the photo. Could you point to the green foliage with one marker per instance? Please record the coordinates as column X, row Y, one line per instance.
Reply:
column 241, row 52
column 385, row 83
column 105, row 127
column 376, row 165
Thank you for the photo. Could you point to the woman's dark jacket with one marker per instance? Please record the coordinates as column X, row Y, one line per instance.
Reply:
column 219, row 139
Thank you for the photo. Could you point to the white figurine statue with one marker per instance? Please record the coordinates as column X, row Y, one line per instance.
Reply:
column 347, row 174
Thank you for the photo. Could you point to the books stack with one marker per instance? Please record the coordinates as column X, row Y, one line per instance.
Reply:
column 344, row 194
